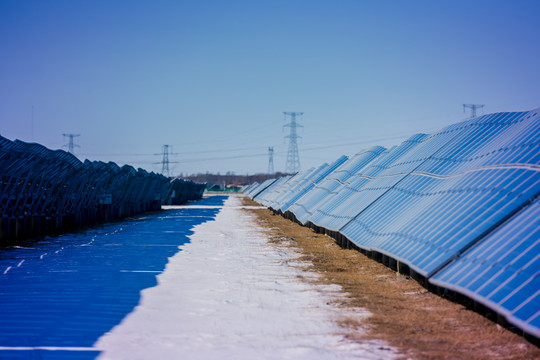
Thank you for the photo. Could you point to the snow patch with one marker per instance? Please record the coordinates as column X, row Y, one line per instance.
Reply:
column 229, row 294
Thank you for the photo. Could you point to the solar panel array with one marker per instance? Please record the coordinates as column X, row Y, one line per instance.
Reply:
column 44, row 192
column 457, row 206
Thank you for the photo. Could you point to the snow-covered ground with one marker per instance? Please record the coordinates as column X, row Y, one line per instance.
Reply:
column 229, row 294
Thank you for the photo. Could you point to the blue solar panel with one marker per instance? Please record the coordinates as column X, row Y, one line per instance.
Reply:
column 304, row 207
column 455, row 196
column 364, row 187
column 257, row 188
column 261, row 187
column 283, row 197
column 503, row 270
column 310, row 183
column 248, row 190
column 273, row 198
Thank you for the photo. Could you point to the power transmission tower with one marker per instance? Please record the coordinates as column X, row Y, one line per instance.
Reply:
column 473, row 108
column 271, row 160
column 71, row 145
column 293, row 159
column 165, row 161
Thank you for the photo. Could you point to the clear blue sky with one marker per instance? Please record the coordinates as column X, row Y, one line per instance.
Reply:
column 212, row 78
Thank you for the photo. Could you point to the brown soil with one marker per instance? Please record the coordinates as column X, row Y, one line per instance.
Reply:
column 405, row 315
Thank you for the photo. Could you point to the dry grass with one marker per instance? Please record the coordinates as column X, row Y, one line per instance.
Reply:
column 419, row 323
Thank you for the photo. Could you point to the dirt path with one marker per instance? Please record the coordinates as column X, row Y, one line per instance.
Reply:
column 419, row 323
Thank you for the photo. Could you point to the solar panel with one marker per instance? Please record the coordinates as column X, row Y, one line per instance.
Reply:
column 254, row 189
column 452, row 198
column 364, row 187
column 274, row 196
column 309, row 183
column 261, row 187
column 305, row 206
column 503, row 270
column 267, row 191
column 248, row 189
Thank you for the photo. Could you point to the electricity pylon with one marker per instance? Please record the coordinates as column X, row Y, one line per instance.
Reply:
column 293, row 159
column 473, row 108
column 271, row 160
column 165, row 160
column 71, row 145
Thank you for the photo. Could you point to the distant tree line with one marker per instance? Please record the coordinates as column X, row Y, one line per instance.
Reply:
column 223, row 180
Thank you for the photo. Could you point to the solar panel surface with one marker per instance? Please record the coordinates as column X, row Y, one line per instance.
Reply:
column 503, row 270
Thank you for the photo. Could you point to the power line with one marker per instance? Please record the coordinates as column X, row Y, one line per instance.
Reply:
column 336, row 142
column 232, row 157
column 223, row 158
column 370, row 141
column 187, row 160
column 176, row 153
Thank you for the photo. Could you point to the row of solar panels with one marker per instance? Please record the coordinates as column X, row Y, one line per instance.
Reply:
column 44, row 191
column 460, row 207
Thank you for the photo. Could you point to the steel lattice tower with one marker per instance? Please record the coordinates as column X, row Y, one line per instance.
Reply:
column 165, row 161
column 293, row 159
column 473, row 108
column 71, row 145
column 271, row 160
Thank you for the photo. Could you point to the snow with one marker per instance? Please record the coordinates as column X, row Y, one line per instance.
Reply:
column 229, row 294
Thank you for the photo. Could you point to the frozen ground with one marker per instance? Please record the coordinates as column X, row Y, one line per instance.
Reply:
column 230, row 295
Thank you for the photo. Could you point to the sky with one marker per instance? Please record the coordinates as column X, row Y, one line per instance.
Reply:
column 213, row 78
